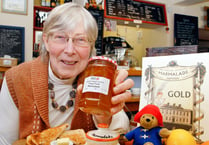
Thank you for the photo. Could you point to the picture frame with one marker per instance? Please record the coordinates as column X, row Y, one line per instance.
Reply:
column 15, row 6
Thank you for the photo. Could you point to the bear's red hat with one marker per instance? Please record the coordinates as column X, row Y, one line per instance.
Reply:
column 150, row 109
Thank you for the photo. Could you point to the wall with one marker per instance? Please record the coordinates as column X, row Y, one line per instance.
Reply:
column 151, row 37
column 21, row 21
column 158, row 36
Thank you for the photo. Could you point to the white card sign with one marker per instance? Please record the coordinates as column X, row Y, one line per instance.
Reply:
column 178, row 85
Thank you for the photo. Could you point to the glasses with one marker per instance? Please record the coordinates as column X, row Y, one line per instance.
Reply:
column 63, row 39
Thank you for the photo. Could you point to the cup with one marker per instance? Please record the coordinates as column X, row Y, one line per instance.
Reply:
column 98, row 82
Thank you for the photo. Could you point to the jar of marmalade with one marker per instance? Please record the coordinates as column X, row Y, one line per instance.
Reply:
column 98, row 82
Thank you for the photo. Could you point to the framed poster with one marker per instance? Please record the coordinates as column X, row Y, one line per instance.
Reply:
column 12, row 42
column 15, row 6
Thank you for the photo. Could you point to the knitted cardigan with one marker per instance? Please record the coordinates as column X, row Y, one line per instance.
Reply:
column 28, row 86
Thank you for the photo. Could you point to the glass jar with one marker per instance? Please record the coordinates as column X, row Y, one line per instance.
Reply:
column 98, row 82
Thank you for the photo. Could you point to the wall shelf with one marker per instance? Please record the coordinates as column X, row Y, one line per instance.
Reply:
column 133, row 99
column 3, row 69
column 134, row 72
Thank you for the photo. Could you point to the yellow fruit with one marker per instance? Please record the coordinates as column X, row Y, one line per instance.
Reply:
column 205, row 143
column 180, row 137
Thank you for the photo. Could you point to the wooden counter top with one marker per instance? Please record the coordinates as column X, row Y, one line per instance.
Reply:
column 133, row 99
column 3, row 69
column 134, row 72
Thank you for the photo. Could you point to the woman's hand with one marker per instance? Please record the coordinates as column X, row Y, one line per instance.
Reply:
column 120, row 90
column 120, row 95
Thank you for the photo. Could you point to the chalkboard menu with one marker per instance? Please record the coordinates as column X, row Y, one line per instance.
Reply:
column 12, row 42
column 99, row 17
column 185, row 30
column 133, row 10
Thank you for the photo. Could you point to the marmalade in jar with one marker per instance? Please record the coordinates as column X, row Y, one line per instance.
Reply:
column 98, row 83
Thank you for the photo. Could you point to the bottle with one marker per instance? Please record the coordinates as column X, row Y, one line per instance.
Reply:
column 43, row 19
column 62, row 2
column 57, row 2
column 48, row 3
column 53, row 3
column 38, row 19
column 43, row 3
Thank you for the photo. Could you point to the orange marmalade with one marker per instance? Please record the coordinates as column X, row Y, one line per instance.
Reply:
column 98, row 82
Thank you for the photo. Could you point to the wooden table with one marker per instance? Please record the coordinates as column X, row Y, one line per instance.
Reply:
column 20, row 142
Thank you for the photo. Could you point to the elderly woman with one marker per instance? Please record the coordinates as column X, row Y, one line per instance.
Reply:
column 26, row 105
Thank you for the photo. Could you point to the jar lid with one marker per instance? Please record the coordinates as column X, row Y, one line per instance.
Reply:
column 102, row 134
column 103, row 58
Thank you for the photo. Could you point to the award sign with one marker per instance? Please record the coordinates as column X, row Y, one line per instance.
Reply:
column 177, row 85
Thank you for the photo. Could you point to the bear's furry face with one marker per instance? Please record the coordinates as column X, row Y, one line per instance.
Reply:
column 148, row 121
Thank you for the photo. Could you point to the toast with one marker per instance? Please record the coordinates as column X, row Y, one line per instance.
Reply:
column 78, row 136
column 46, row 136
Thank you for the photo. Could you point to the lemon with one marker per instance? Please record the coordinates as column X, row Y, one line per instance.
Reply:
column 180, row 137
column 205, row 143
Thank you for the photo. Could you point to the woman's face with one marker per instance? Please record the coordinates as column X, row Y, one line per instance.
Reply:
column 68, row 52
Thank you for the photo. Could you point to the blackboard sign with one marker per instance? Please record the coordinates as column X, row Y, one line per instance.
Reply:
column 136, row 10
column 99, row 16
column 185, row 30
column 12, row 42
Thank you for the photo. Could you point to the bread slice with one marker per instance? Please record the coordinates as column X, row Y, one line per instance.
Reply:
column 46, row 136
column 77, row 136
column 29, row 138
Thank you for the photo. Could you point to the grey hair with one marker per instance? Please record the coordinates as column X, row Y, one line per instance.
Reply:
column 65, row 18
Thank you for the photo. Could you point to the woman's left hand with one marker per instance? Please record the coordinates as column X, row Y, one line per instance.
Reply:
column 120, row 90
column 120, row 95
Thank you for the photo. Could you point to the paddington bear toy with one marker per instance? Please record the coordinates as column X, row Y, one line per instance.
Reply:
column 150, row 131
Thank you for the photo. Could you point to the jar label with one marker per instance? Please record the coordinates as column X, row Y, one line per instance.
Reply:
column 96, row 84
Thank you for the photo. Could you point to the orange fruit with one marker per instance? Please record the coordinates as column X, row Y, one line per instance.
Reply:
column 205, row 143
column 180, row 137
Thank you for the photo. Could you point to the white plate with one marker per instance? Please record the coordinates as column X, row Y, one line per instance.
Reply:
column 117, row 144
column 55, row 143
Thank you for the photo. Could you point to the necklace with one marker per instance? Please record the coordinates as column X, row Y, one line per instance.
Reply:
column 69, row 103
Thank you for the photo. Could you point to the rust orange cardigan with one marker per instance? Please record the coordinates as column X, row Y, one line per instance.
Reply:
column 28, row 86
